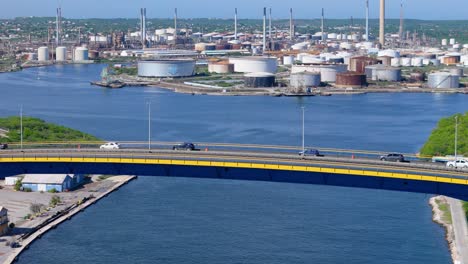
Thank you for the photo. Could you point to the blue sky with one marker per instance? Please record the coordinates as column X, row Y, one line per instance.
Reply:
column 419, row 9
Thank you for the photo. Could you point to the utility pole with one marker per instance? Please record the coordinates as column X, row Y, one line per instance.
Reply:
column 456, row 137
column 303, row 129
column 149, row 126
column 21, row 125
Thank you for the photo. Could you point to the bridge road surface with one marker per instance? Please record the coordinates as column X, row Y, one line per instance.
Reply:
column 460, row 228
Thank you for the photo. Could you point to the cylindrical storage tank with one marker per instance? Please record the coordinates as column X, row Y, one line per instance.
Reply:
column 332, row 36
column 336, row 60
column 444, row 42
column 386, row 60
column 305, row 79
column 456, row 71
column 259, row 79
column 370, row 70
column 346, row 45
column 418, row 76
column 396, row 62
column 388, row 74
column 417, row 62
column 254, row 64
column 435, row 62
column 443, row 80
column 220, row 67
column 81, row 54
column 61, row 54
column 166, row 68
column 350, row 79
column 405, row 62
column 161, row 31
column 31, row 56
column 389, row 53
column 452, row 41
column 43, row 54
column 328, row 74
column 311, row 59
column 456, row 46
column 288, row 60
column 426, row 62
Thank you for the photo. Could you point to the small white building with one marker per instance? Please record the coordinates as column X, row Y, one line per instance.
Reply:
column 11, row 181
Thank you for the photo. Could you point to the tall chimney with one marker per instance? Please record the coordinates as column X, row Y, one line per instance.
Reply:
column 401, row 21
column 382, row 23
column 264, row 29
column 141, row 27
column 175, row 22
column 269, row 35
column 235, row 23
column 58, row 25
column 367, row 20
column 323, row 18
column 291, row 24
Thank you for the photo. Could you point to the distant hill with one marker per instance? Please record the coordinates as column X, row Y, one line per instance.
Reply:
column 442, row 139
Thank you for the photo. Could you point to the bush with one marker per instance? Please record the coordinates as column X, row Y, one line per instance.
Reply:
column 36, row 208
column 27, row 190
column 18, row 185
column 53, row 190
column 11, row 225
column 54, row 201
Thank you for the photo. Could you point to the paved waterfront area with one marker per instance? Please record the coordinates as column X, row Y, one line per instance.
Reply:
column 460, row 229
column 18, row 205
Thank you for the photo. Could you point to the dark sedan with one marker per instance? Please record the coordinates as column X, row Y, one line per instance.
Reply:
column 393, row 157
column 184, row 146
column 3, row 145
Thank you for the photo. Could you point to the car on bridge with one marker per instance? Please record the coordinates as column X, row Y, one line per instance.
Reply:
column 110, row 146
column 393, row 157
column 310, row 152
column 3, row 145
column 459, row 164
column 184, row 146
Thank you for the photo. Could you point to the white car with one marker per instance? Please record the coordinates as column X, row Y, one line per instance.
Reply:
column 110, row 145
column 458, row 164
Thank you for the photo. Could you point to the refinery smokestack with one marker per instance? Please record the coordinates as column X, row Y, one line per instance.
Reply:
column 291, row 24
column 401, row 22
column 235, row 23
column 175, row 23
column 367, row 20
column 382, row 23
column 270, row 25
column 323, row 18
column 58, row 25
column 264, row 29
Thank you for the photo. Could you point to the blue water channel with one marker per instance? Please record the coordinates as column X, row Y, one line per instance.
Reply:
column 168, row 220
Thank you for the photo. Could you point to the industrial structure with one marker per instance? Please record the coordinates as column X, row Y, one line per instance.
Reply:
column 166, row 68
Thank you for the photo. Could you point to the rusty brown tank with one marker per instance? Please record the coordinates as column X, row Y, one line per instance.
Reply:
column 350, row 79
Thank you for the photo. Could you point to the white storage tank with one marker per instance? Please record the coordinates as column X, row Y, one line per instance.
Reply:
column 288, row 60
column 444, row 42
column 389, row 74
column 254, row 64
column 166, row 68
column 305, row 79
column 435, row 62
column 395, row 62
column 61, row 54
column 417, row 62
column 443, row 80
column 43, row 54
column 405, row 62
column 389, row 53
column 327, row 72
column 456, row 71
column 81, row 54
column 452, row 41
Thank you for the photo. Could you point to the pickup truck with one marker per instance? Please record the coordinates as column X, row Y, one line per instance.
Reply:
column 459, row 164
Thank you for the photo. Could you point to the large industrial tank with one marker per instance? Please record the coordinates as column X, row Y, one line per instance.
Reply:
column 254, row 64
column 443, row 80
column 417, row 62
column 61, row 54
column 350, row 79
column 405, row 62
column 288, row 60
column 327, row 71
column 166, row 68
column 456, row 71
column 358, row 64
column 43, row 54
column 81, row 54
column 305, row 79
column 93, row 54
column 383, row 73
column 259, row 79
column 221, row 67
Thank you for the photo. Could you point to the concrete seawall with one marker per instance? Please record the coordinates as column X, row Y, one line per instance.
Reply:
column 25, row 243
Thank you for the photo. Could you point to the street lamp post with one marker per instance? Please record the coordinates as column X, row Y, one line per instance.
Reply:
column 303, row 129
column 456, row 138
column 149, row 126
column 21, row 125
